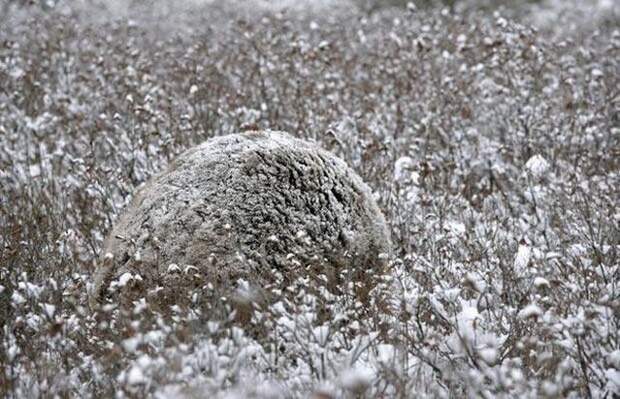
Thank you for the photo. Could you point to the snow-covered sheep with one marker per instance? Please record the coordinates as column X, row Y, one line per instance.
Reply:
column 247, row 206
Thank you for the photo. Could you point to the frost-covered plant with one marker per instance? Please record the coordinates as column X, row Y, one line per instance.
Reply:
column 489, row 139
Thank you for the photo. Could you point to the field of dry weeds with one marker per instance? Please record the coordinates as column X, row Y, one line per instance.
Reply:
column 489, row 135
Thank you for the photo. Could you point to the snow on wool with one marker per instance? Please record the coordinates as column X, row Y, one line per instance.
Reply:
column 237, row 206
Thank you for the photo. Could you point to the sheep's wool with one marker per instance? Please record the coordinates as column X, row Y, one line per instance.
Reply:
column 248, row 206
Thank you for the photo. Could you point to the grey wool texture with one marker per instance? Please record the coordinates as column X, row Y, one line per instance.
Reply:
column 244, row 206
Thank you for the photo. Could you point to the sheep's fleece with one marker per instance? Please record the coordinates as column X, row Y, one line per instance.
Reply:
column 248, row 206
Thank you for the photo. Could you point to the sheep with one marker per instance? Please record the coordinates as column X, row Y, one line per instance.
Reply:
column 249, row 206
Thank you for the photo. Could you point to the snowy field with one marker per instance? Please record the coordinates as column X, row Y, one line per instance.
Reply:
column 489, row 133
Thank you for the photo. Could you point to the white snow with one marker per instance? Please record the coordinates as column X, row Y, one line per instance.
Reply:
column 48, row 309
column 403, row 168
column 386, row 353
column 321, row 334
column 614, row 358
column 131, row 344
column 12, row 352
column 124, row 279
column 522, row 258
column 35, row 171
column 17, row 299
column 466, row 320
column 356, row 379
column 613, row 380
column 446, row 311
column 541, row 282
column 489, row 355
column 456, row 228
column 537, row 166
column 173, row 268
column 531, row 310
column 136, row 376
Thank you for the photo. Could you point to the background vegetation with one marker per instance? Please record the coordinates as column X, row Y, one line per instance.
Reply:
column 491, row 139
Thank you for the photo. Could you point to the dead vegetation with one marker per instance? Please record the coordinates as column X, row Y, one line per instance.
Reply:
column 492, row 147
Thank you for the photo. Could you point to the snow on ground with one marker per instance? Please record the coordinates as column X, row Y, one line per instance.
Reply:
column 488, row 135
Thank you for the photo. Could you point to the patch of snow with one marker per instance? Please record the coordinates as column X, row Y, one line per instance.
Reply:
column 403, row 169
column 17, row 299
column 531, row 310
column 136, row 376
column 34, row 170
column 386, row 353
column 48, row 309
column 522, row 258
column 537, row 166
column 466, row 320
column 456, row 228
column 489, row 355
column 131, row 344
column 173, row 268
column 124, row 279
column 541, row 282
column 613, row 358
column 356, row 379
column 613, row 380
